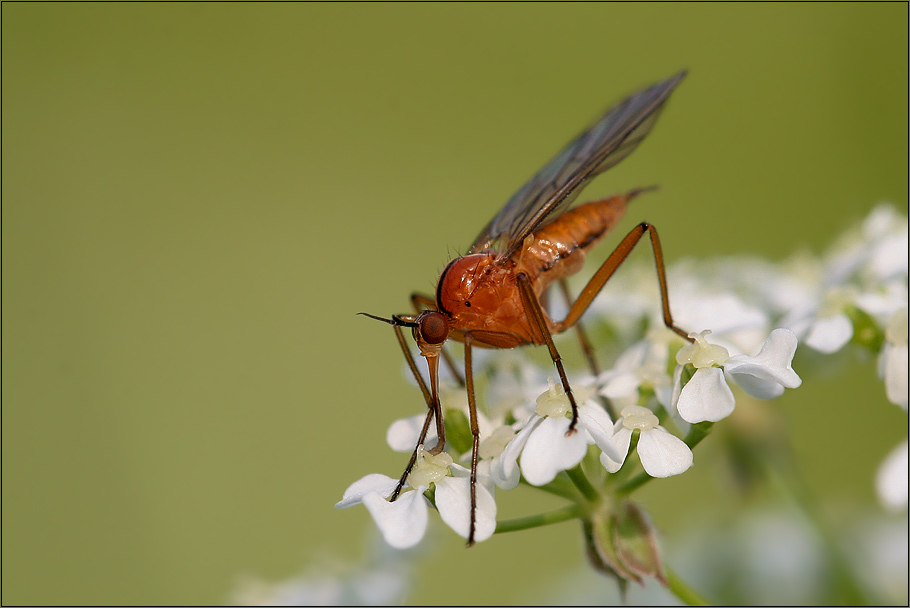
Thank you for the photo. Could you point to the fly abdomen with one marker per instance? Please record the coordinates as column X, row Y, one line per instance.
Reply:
column 558, row 249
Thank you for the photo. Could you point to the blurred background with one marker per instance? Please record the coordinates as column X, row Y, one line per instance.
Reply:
column 198, row 198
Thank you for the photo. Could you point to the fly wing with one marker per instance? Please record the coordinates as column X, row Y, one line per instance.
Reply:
column 553, row 189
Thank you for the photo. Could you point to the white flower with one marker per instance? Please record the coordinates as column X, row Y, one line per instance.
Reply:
column 495, row 435
column 891, row 480
column 545, row 447
column 874, row 251
column 661, row 453
column 707, row 396
column 892, row 361
column 867, row 269
column 491, row 452
column 822, row 323
column 403, row 522
column 885, row 232
column 767, row 374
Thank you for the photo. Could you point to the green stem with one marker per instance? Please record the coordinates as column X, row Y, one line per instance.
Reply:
column 681, row 590
column 581, row 482
column 697, row 432
column 544, row 519
column 634, row 483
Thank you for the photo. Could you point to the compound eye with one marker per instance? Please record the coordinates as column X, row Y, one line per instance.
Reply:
column 434, row 328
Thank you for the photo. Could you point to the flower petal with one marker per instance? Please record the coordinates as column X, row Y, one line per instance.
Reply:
column 892, row 367
column 758, row 387
column 504, row 469
column 677, row 386
column 374, row 482
column 766, row 374
column 403, row 522
column 549, row 450
column 483, row 474
column 403, row 434
column 599, row 426
column 830, row 333
column 621, row 439
column 891, row 479
column 504, row 474
column 453, row 499
column 485, row 470
column 620, row 384
column 706, row 397
column 663, row 454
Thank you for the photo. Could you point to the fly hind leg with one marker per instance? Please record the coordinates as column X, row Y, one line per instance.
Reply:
column 606, row 271
column 586, row 348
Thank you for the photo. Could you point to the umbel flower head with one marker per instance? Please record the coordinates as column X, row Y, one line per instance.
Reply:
column 544, row 449
column 641, row 417
column 661, row 394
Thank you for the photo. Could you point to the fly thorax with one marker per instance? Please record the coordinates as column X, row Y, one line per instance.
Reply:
column 468, row 285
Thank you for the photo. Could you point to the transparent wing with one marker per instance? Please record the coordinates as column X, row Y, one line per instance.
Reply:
column 553, row 189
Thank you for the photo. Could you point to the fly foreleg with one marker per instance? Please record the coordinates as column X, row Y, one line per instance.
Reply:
column 536, row 316
column 433, row 409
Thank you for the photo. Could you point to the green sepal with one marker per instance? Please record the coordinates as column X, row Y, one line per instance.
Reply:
column 458, row 431
column 866, row 331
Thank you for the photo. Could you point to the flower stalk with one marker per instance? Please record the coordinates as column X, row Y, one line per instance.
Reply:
column 574, row 511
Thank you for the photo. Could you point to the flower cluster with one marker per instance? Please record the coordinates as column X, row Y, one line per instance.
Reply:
column 661, row 394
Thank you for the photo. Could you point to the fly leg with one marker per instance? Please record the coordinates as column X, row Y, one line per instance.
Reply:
column 586, row 347
column 433, row 409
column 536, row 316
column 422, row 302
column 475, row 433
column 606, row 271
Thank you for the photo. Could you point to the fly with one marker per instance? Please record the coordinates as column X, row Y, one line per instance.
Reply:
column 491, row 297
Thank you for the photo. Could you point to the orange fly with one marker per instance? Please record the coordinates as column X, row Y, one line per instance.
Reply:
column 491, row 297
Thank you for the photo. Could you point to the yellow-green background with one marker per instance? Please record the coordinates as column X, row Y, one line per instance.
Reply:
column 197, row 198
